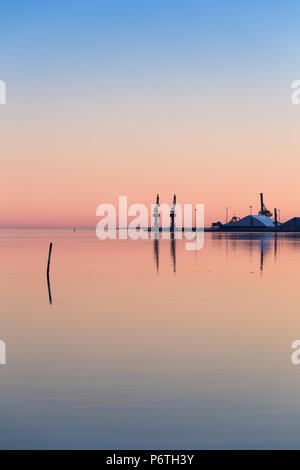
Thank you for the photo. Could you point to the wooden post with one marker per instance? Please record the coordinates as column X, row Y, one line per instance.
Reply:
column 48, row 279
column 49, row 258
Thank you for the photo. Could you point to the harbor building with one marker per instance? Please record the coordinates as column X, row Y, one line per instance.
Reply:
column 251, row 222
column 292, row 225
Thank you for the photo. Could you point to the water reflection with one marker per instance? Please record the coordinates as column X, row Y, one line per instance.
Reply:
column 208, row 348
column 156, row 253
column 233, row 242
column 275, row 245
column 173, row 251
column 251, row 242
column 261, row 256
column 49, row 289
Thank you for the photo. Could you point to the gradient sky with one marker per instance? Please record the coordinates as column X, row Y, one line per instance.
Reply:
column 108, row 98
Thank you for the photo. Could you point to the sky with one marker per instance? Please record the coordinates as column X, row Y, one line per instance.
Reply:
column 109, row 98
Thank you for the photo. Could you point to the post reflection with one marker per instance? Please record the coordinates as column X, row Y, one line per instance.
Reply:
column 49, row 289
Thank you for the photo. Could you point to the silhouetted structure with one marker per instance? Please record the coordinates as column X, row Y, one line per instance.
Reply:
column 275, row 218
column 249, row 223
column 292, row 225
column 173, row 215
column 263, row 210
column 156, row 214
column 48, row 271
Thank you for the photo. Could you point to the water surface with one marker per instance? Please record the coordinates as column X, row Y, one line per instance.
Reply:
column 148, row 345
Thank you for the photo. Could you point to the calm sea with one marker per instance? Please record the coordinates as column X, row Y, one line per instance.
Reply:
column 148, row 345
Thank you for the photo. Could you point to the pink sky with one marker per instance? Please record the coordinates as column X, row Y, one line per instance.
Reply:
column 60, row 165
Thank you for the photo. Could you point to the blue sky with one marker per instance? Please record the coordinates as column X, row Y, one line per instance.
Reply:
column 132, row 38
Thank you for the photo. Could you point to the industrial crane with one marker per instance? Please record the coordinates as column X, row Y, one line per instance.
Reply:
column 263, row 209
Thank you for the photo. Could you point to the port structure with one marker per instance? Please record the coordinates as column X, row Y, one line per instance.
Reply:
column 263, row 210
column 173, row 215
column 156, row 214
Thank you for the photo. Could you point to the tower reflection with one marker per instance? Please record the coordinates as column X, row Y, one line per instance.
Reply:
column 251, row 242
column 172, row 250
column 156, row 253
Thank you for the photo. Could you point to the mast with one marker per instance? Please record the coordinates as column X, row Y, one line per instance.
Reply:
column 156, row 214
column 173, row 214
